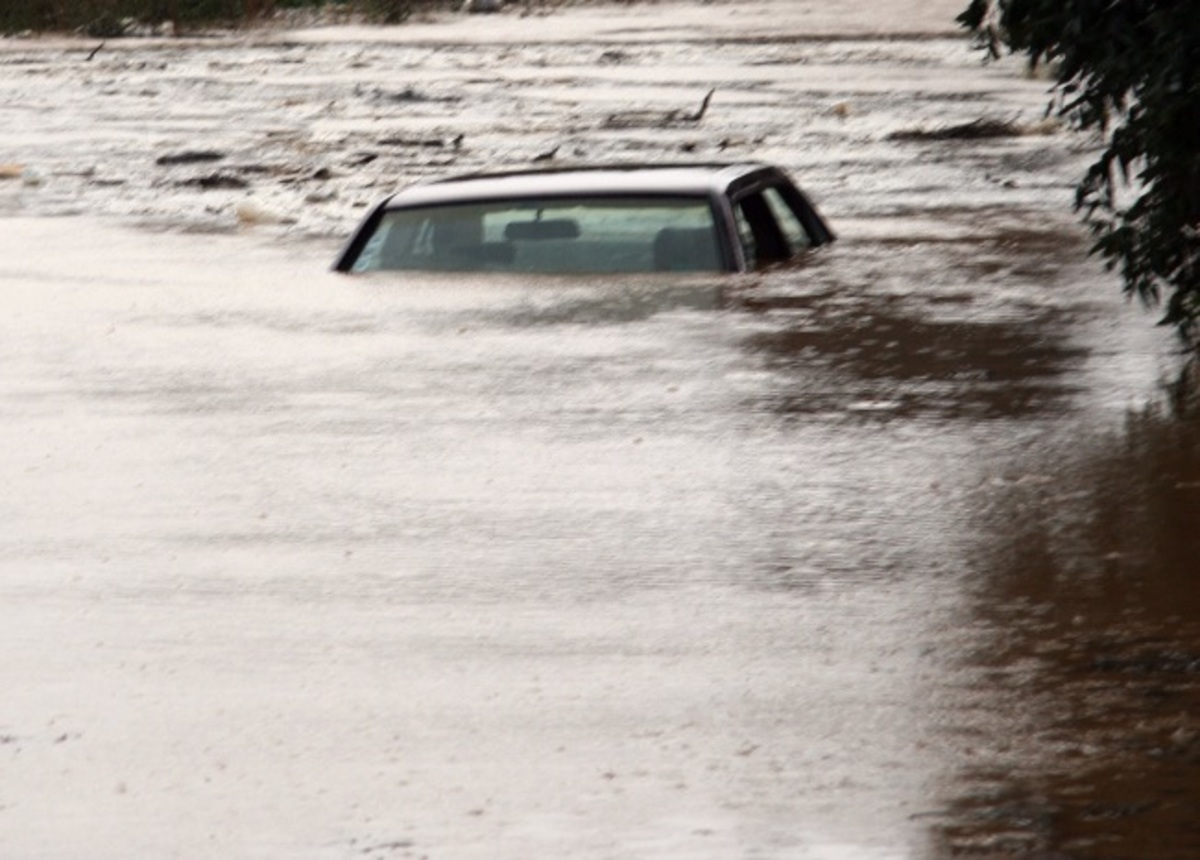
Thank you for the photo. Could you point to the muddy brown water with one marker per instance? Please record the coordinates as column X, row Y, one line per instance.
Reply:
column 890, row 554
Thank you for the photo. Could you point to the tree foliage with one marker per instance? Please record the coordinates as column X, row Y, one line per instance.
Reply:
column 89, row 14
column 1130, row 71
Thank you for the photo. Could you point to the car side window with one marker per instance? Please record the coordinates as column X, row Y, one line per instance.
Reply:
column 794, row 234
column 746, row 236
column 769, row 228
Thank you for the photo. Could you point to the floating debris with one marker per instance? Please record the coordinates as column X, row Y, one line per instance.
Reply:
column 427, row 142
column 323, row 196
column 978, row 129
column 217, row 181
column 659, row 119
column 613, row 57
column 408, row 95
column 199, row 156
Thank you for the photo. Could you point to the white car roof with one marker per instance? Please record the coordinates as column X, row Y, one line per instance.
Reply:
column 644, row 179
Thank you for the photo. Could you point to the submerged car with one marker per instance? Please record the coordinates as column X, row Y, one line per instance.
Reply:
column 694, row 218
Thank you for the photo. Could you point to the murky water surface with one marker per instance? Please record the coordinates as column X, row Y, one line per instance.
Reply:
column 888, row 555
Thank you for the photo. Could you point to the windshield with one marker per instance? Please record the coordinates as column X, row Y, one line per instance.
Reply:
column 598, row 234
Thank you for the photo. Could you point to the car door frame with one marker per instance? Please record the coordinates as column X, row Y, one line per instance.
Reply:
column 755, row 183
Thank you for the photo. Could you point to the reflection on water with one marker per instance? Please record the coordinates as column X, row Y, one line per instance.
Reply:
column 983, row 336
column 1086, row 651
column 911, row 367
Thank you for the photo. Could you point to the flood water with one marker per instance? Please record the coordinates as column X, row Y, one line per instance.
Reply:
column 888, row 555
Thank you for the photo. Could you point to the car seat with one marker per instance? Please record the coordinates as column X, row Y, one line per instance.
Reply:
column 685, row 249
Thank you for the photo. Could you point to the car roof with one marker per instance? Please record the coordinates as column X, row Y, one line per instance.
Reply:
column 688, row 179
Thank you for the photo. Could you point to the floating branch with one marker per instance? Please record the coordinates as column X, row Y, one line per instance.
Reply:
column 659, row 119
column 978, row 129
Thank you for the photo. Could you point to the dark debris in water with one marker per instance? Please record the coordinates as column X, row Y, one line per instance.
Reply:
column 198, row 156
column 630, row 119
column 979, row 129
column 216, row 182
column 411, row 95
column 424, row 142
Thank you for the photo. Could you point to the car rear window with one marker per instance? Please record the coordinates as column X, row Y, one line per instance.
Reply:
column 593, row 234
